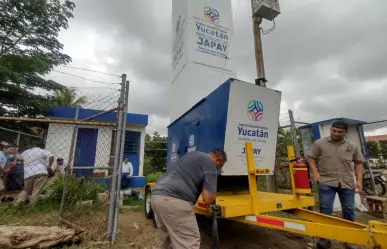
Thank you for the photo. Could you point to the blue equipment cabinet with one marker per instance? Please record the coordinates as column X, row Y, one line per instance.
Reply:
column 229, row 116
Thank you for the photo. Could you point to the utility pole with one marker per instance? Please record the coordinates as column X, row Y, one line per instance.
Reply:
column 263, row 10
column 260, row 66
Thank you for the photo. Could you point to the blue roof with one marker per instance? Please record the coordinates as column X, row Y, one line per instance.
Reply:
column 69, row 113
column 347, row 120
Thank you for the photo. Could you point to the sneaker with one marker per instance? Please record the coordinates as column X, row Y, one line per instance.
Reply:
column 350, row 246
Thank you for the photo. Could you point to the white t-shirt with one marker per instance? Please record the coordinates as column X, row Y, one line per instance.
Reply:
column 35, row 162
column 127, row 168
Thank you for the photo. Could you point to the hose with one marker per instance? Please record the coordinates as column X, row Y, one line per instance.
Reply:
column 215, row 233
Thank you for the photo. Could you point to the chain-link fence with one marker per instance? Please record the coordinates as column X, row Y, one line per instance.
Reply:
column 376, row 138
column 288, row 134
column 71, row 163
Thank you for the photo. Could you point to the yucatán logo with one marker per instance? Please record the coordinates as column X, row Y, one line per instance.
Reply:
column 211, row 15
column 255, row 110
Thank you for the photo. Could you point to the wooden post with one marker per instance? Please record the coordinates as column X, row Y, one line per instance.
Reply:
column 261, row 78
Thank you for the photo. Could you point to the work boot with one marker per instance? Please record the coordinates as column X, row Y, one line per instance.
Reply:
column 323, row 244
column 350, row 246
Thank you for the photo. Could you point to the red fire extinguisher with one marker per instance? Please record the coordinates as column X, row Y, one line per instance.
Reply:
column 301, row 176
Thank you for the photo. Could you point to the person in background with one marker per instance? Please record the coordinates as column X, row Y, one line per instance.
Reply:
column 7, row 161
column 177, row 192
column 127, row 167
column 340, row 161
column 35, row 173
column 61, row 166
column 127, row 173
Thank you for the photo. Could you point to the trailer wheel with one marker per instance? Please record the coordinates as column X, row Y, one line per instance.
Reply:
column 147, row 207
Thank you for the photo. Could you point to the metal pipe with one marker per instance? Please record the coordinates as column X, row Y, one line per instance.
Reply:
column 57, row 121
column 294, row 134
column 18, row 139
column 5, row 129
column 69, row 164
column 90, row 167
column 123, row 134
column 99, row 114
column 113, row 190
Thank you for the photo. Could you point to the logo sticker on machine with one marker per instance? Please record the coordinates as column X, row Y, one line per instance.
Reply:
column 191, row 143
column 255, row 110
column 174, row 152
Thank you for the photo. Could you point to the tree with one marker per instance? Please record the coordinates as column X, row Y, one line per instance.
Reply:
column 68, row 97
column 155, row 153
column 29, row 49
column 373, row 149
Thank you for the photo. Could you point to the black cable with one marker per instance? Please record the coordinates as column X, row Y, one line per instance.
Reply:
column 80, row 77
column 89, row 70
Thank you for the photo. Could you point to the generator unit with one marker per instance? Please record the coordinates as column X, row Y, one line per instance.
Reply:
column 229, row 116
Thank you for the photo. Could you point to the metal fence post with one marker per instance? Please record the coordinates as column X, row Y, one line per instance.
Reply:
column 294, row 134
column 112, row 198
column 69, row 164
column 18, row 140
column 126, row 96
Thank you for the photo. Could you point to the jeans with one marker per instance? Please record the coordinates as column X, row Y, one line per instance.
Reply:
column 327, row 196
column 125, row 182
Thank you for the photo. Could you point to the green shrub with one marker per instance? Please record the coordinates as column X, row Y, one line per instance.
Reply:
column 153, row 177
column 79, row 189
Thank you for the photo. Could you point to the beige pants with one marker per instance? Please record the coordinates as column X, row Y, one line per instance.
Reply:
column 176, row 222
column 32, row 188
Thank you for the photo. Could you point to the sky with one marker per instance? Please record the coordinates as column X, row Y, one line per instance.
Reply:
column 328, row 57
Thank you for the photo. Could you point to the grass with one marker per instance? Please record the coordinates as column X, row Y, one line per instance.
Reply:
column 153, row 177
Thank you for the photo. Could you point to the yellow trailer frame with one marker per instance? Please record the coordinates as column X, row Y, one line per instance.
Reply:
column 253, row 208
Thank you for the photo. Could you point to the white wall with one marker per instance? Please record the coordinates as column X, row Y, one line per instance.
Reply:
column 59, row 137
column 58, row 140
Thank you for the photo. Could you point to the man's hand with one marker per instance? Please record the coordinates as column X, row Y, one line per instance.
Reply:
column 316, row 177
column 359, row 186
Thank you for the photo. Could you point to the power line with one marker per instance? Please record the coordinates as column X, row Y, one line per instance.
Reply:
column 89, row 70
column 77, row 76
column 91, row 87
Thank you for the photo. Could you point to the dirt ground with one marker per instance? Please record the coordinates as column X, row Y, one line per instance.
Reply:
column 137, row 232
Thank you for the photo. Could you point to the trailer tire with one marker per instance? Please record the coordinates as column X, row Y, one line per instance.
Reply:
column 147, row 206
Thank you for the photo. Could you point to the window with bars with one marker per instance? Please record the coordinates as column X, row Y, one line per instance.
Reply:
column 132, row 142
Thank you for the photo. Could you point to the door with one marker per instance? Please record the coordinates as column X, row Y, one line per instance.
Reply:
column 85, row 150
column 190, row 140
column 132, row 149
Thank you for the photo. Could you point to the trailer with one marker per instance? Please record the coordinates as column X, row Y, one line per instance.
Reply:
column 242, row 119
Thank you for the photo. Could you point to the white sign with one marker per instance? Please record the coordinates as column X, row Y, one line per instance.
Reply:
column 211, row 39
column 253, row 113
column 179, row 34
column 178, row 43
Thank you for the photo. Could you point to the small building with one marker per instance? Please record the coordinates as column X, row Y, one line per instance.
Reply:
column 94, row 141
column 314, row 131
column 378, row 138
column 317, row 130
